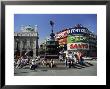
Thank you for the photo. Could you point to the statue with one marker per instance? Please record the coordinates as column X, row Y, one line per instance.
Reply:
column 36, row 28
column 52, row 34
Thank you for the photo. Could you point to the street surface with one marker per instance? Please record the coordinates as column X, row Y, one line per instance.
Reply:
column 61, row 70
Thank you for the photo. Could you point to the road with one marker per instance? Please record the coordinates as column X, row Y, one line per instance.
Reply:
column 60, row 71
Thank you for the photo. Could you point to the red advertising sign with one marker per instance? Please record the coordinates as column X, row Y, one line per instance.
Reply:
column 63, row 41
column 75, row 46
column 61, row 34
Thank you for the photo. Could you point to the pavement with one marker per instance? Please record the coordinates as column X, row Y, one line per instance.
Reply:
column 60, row 70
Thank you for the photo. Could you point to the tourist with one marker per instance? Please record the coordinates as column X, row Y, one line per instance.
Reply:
column 69, row 63
column 43, row 62
column 75, row 57
column 70, row 58
column 61, row 57
column 81, row 59
column 22, row 62
column 33, row 64
column 18, row 63
column 78, row 56
column 66, row 62
column 52, row 63
column 38, row 57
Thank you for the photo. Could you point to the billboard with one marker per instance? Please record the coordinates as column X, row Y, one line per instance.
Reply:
column 61, row 35
column 77, row 31
column 62, row 41
column 74, row 39
column 76, row 46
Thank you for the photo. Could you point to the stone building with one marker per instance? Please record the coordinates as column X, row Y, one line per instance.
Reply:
column 26, row 41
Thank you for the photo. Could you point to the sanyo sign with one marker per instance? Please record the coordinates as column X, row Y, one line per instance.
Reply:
column 75, row 46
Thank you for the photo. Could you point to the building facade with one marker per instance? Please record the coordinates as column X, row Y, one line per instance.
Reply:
column 26, row 41
column 78, row 38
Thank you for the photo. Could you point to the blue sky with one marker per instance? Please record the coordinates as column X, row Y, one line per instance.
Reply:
column 61, row 21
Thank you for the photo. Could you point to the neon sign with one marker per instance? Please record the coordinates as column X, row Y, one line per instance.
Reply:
column 75, row 46
column 75, row 39
column 63, row 41
column 77, row 31
column 61, row 34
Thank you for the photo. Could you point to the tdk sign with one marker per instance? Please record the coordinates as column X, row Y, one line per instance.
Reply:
column 77, row 31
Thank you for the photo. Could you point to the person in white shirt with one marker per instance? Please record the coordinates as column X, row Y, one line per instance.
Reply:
column 18, row 63
column 33, row 64
column 52, row 63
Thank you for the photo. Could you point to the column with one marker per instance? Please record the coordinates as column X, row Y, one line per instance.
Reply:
column 28, row 45
column 14, row 44
column 21, row 47
column 34, row 47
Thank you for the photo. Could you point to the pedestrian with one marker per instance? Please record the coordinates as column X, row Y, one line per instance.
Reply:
column 61, row 57
column 33, row 64
column 28, row 60
column 82, row 60
column 18, row 63
column 52, row 63
column 70, row 55
column 66, row 62
column 69, row 63
column 78, row 56
column 43, row 62
column 38, row 57
column 70, row 58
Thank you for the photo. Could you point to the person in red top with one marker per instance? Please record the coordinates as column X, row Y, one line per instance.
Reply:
column 78, row 56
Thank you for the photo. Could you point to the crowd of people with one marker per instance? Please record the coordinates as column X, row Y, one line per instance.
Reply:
column 20, row 62
column 74, row 60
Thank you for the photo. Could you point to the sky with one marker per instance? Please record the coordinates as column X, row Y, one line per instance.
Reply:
column 61, row 21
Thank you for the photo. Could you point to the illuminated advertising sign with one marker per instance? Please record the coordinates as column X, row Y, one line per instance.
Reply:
column 73, row 39
column 76, row 46
column 77, row 31
column 62, row 41
column 61, row 34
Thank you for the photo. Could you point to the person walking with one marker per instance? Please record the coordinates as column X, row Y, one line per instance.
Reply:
column 70, row 59
column 61, row 57
column 66, row 62
column 22, row 62
column 18, row 63
column 78, row 56
column 43, row 62
column 52, row 63
column 33, row 64
column 69, row 63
